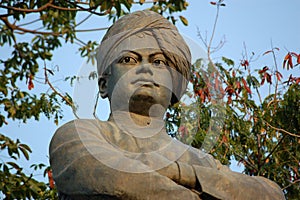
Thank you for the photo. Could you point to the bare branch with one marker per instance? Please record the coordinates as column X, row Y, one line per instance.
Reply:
column 70, row 103
column 82, row 21
column 272, row 151
column 213, row 33
column 33, row 21
column 282, row 130
column 28, row 10
column 51, row 5
column 89, row 9
column 95, row 29
column 292, row 183
column 15, row 27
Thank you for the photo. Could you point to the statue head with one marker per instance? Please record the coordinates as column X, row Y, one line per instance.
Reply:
column 144, row 47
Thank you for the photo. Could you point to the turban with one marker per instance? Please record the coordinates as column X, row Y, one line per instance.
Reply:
column 166, row 34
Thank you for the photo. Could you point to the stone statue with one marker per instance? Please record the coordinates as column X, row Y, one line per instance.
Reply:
column 143, row 67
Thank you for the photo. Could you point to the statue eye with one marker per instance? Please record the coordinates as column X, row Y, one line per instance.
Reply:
column 159, row 62
column 127, row 60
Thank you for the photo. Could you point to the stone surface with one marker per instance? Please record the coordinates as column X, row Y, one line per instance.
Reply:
column 143, row 63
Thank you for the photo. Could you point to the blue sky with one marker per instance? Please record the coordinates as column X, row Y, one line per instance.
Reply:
column 255, row 23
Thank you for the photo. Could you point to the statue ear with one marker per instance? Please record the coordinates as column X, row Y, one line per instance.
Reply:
column 102, row 82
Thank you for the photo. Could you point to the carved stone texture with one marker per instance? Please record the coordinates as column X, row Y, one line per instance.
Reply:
column 143, row 67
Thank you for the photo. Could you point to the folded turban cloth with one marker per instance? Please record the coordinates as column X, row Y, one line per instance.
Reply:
column 166, row 34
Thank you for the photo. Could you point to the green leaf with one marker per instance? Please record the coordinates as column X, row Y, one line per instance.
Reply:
column 14, row 165
column 127, row 4
column 184, row 20
column 229, row 62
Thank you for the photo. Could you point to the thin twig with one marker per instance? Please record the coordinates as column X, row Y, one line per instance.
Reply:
column 276, row 67
column 28, row 10
column 272, row 151
column 15, row 27
column 246, row 161
column 70, row 103
column 282, row 130
column 213, row 32
column 82, row 21
column 25, row 24
column 94, row 29
column 292, row 183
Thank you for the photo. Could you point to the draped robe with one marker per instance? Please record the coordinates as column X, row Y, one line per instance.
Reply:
column 92, row 159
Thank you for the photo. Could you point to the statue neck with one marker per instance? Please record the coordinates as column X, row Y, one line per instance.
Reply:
column 138, row 125
column 137, row 119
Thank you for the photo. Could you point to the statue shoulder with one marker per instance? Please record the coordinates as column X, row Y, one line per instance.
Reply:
column 80, row 128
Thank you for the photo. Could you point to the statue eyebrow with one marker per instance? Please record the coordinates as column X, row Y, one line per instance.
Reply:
column 124, row 52
column 155, row 53
column 139, row 56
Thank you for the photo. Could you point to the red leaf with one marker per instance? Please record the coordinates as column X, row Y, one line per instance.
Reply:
column 294, row 54
column 286, row 58
column 238, row 85
column 297, row 80
column 245, row 63
column 213, row 3
column 224, row 139
column 229, row 90
column 30, row 83
column 278, row 75
column 290, row 62
column 229, row 100
column 216, row 83
column 50, row 178
column 267, row 52
column 246, row 86
column 263, row 70
column 269, row 78
column 233, row 73
column 262, row 81
column 298, row 59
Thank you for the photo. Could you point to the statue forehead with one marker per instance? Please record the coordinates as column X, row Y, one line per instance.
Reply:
column 141, row 42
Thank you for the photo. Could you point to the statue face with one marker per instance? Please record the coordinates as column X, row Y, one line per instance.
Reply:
column 140, row 76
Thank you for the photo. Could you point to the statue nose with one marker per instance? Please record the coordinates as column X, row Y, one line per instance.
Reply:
column 144, row 68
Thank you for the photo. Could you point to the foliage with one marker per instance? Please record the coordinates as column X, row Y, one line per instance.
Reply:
column 15, row 184
column 261, row 132
column 257, row 128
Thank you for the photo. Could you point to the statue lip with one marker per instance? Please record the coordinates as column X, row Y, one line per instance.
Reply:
column 144, row 81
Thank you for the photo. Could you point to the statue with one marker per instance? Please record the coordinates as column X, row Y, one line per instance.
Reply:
column 143, row 64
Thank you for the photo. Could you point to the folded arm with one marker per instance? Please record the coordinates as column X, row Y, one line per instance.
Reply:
column 78, row 171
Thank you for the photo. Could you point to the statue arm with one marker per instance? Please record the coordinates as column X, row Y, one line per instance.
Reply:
column 225, row 184
column 78, row 172
column 216, row 181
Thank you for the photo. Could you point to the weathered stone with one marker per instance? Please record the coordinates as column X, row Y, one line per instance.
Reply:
column 143, row 64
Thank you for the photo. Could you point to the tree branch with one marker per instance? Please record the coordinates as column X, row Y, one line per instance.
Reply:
column 70, row 103
column 292, row 183
column 93, row 29
column 28, row 10
column 272, row 151
column 282, row 130
column 51, row 5
column 15, row 27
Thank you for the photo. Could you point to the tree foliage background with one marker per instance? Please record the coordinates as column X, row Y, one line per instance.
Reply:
column 258, row 130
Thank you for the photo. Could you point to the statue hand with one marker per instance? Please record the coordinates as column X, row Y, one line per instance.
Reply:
column 181, row 173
